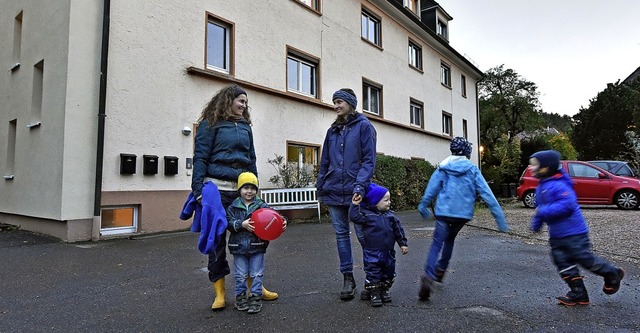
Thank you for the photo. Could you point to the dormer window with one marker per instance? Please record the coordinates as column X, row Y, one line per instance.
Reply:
column 412, row 5
column 442, row 29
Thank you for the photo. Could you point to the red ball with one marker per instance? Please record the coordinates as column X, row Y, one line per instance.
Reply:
column 268, row 223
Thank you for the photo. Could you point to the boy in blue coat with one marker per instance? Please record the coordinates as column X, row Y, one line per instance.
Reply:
column 453, row 187
column 247, row 249
column 380, row 231
column 557, row 206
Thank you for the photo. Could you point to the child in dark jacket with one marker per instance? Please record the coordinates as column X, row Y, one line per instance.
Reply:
column 380, row 231
column 557, row 206
column 247, row 249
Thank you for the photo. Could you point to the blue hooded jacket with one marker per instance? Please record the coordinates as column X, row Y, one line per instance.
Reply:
column 348, row 161
column 222, row 151
column 454, row 187
column 557, row 206
column 380, row 230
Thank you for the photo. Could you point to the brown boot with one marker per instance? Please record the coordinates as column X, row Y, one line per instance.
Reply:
column 218, row 302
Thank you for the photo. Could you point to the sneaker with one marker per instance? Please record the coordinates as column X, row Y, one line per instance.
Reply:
column 386, row 297
column 365, row 295
column 242, row 304
column 439, row 275
column 425, row 288
column 612, row 285
column 255, row 303
column 376, row 298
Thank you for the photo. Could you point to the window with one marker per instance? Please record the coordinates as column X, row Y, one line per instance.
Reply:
column 581, row 170
column 371, row 28
column 302, row 73
column 416, row 113
column 372, row 98
column 445, row 74
column 313, row 4
column 415, row 55
column 464, row 129
column 36, row 94
column 446, row 124
column 412, row 5
column 219, row 43
column 305, row 157
column 463, row 85
column 17, row 38
column 119, row 220
column 11, row 150
column 442, row 30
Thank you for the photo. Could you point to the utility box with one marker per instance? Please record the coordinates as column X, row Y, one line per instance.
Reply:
column 170, row 165
column 150, row 164
column 127, row 164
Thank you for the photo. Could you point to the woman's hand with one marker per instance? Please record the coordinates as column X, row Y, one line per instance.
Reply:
column 356, row 199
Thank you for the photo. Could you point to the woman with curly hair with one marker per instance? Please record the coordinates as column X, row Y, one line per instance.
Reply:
column 223, row 150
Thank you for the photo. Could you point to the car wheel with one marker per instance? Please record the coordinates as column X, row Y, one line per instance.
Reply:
column 627, row 199
column 529, row 199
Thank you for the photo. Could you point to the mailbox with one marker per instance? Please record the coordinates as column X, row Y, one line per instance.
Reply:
column 170, row 165
column 150, row 164
column 127, row 164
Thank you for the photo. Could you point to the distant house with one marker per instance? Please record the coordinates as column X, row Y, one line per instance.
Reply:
column 632, row 77
column 528, row 134
column 99, row 99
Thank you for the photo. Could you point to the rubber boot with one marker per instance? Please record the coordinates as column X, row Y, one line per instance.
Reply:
column 349, row 287
column 266, row 294
column 612, row 282
column 578, row 293
column 376, row 297
column 218, row 287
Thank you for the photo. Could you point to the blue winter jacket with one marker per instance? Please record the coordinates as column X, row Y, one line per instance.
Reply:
column 557, row 206
column 454, row 187
column 241, row 240
column 381, row 230
column 348, row 161
column 222, row 151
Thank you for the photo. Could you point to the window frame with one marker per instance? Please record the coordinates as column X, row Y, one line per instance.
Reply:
column 413, row 46
column 445, row 74
column 124, row 229
column 447, row 124
column 408, row 4
column 465, row 129
column 365, row 13
column 442, row 29
column 413, row 104
column 463, row 85
column 367, row 87
column 303, row 58
column 315, row 6
column 229, row 44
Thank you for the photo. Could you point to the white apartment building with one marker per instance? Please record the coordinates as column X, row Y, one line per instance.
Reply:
column 99, row 99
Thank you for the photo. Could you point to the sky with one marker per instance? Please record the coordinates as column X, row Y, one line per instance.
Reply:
column 570, row 49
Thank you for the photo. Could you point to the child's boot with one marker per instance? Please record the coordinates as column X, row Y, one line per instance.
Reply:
column 440, row 275
column 266, row 294
column 376, row 296
column 349, row 287
column 218, row 302
column 365, row 295
column 386, row 297
column 612, row 282
column 242, row 303
column 255, row 303
column 578, row 293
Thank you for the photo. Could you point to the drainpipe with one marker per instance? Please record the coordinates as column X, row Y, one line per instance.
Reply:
column 478, row 126
column 97, row 204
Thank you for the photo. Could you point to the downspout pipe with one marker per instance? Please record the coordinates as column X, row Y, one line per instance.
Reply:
column 97, row 204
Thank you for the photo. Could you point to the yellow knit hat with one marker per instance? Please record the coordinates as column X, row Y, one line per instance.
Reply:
column 247, row 178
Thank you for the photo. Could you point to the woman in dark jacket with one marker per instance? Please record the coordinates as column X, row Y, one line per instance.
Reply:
column 223, row 150
column 346, row 167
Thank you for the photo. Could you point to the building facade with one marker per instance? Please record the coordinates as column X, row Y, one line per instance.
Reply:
column 100, row 99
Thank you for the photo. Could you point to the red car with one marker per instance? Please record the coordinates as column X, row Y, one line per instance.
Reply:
column 593, row 185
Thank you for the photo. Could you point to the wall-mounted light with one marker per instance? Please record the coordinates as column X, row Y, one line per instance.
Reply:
column 186, row 130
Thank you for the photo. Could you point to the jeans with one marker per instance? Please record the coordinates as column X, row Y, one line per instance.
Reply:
column 444, row 237
column 340, row 221
column 217, row 264
column 568, row 252
column 249, row 265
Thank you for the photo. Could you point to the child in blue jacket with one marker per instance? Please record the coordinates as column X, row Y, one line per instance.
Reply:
column 557, row 206
column 380, row 231
column 453, row 187
column 247, row 249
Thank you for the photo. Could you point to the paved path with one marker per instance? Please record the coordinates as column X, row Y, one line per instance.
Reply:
column 497, row 283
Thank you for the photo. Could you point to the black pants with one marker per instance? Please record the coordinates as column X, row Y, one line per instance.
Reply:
column 218, row 265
